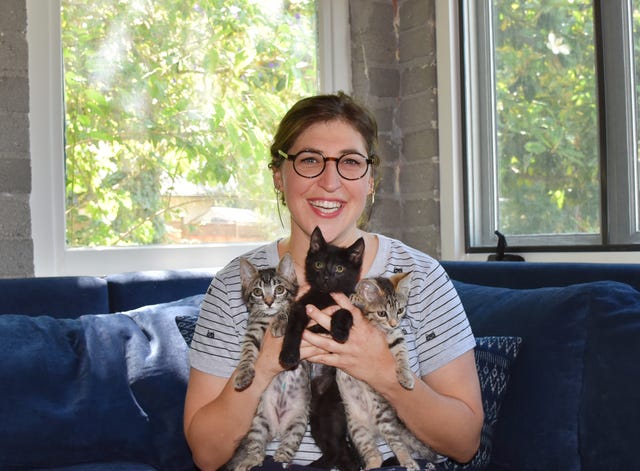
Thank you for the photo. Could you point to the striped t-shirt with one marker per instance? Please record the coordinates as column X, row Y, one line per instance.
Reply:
column 435, row 325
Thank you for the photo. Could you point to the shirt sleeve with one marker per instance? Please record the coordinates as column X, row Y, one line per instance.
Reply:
column 215, row 348
column 443, row 332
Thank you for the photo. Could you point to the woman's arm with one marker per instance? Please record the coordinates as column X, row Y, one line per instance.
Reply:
column 216, row 416
column 444, row 410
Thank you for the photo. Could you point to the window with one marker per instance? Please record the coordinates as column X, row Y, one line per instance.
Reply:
column 153, row 115
column 549, row 99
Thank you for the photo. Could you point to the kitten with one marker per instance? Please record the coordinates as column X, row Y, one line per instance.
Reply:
column 268, row 295
column 283, row 409
column 328, row 269
column 383, row 302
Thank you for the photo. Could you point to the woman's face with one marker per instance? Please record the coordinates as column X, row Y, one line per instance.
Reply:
column 328, row 200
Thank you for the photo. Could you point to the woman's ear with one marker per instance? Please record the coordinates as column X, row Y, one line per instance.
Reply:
column 277, row 179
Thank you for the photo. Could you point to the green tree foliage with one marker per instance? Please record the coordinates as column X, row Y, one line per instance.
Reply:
column 546, row 99
column 159, row 93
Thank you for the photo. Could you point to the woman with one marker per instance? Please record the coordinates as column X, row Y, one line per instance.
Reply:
column 444, row 410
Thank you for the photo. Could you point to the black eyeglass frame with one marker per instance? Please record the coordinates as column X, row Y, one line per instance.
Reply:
column 292, row 157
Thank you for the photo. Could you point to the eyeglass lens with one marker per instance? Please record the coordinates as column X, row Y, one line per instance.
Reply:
column 311, row 164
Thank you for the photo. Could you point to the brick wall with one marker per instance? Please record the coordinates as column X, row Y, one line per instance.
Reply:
column 16, row 246
column 393, row 54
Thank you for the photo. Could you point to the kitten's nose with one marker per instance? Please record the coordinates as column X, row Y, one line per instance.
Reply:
column 393, row 322
column 269, row 300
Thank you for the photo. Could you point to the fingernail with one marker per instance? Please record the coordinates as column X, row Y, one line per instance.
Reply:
column 308, row 308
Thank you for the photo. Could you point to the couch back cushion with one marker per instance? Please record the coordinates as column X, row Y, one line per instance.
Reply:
column 65, row 296
column 574, row 373
column 99, row 388
column 135, row 289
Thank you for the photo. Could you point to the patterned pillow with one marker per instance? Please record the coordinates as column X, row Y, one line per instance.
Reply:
column 494, row 356
column 186, row 326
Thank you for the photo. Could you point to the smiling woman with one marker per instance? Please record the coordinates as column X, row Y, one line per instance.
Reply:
column 326, row 202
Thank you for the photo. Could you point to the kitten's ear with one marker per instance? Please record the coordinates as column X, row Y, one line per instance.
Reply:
column 356, row 251
column 247, row 271
column 317, row 241
column 286, row 267
column 368, row 290
column 401, row 283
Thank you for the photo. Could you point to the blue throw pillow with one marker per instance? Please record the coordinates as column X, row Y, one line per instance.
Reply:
column 99, row 388
column 494, row 356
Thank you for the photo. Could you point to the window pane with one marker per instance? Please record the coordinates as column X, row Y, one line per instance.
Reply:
column 170, row 109
column 636, row 162
column 548, row 178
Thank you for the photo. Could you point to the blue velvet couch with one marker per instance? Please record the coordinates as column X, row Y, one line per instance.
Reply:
column 93, row 369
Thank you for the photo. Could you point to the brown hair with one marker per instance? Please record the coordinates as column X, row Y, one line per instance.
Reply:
column 323, row 108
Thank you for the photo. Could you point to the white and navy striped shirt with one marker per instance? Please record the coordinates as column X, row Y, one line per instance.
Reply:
column 435, row 326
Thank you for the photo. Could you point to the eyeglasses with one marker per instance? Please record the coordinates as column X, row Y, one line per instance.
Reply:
column 310, row 164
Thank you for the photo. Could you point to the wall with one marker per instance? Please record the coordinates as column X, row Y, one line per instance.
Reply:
column 393, row 54
column 16, row 246
column 394, row 73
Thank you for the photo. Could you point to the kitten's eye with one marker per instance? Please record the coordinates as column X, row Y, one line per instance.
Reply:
column 382, row 313
column 339, row 268
column 400, row 311
column 279, row 289
column 318, row 265
column 257, row 292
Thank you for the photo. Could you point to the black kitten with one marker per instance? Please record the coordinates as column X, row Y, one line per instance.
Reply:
column 328, row 269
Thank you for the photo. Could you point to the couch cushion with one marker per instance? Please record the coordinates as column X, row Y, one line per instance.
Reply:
column 99, row 388
column 135, row 289
column 543, row 420
column 65, row 296
column 610, row 411
column 538, row 427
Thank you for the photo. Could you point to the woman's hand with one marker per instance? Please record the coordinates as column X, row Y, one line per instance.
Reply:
column 365, row 355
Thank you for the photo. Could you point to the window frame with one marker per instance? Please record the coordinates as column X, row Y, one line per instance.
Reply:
column 454, row 226
column 51, row 256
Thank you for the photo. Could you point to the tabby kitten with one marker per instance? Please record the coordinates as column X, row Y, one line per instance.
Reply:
column 328, row 269
column 382, row 301
column 283, row 409
column 268, row 293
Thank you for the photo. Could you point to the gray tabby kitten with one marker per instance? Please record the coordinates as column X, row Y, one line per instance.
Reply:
column 283, row 409
column 369, row 416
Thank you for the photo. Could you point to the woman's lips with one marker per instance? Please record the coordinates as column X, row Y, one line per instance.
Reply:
column 326, row 208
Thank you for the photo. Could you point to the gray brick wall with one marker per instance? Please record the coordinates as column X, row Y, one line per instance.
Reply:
column 394, row 72
column 16, row 245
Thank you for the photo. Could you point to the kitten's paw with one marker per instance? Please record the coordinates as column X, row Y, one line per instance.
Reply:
column 282, row 458
column 410, row 464
column 406, row 381
column 243, row 379
column 289, row 360
column 341, row 323
column 339, row 334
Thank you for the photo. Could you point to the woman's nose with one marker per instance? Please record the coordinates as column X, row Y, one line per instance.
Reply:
column 330, row 179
